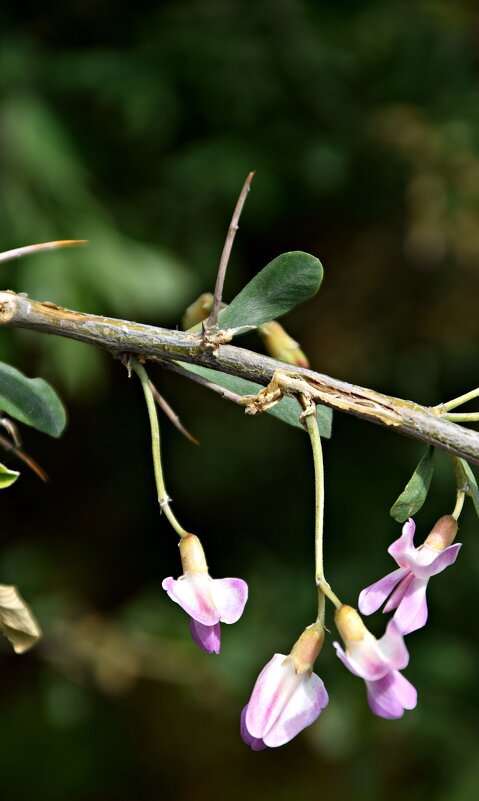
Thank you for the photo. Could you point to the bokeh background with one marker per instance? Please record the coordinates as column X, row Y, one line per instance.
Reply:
column 134, row 126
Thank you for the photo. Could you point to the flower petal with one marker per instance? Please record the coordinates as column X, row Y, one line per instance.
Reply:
column 405, row 692
column 404, row 546
column 345, row 659
column 430, row 562
column 274, row 684
column 207, row 637
column 399, row 592
column 303, row 707
column 411, row 613
column 283, row 703
column 229, row 596
column 192, row 593
column 367, row 659
column 393, row 648
column 371, row 598
column 391, row 695
column 255, row 743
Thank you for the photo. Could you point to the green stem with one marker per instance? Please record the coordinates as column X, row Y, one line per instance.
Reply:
column 455, row 402
column 163, row 498
column 462, row 417
column 323, row 587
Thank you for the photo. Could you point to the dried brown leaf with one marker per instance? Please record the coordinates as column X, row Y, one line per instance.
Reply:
column 16, row 620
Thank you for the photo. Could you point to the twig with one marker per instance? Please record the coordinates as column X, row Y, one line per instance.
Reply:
column 11, row 430
column 16, row 253
column 20, row 454
column 227, row 394
column 171, row 414
column 120, row 336
column 220, row 279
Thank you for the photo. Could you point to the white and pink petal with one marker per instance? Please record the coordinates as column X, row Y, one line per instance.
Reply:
column 392, row 647
column 301, row 709
column 282, row 703
column 366, row 659
column 431, row 562
column 192, row 593
column 229, row 596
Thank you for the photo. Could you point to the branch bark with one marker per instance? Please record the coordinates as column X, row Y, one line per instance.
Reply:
column 150, row 342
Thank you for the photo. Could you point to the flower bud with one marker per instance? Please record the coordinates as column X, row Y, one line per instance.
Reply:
column 349, row 624
column 306, row 649
column 197, row 311
column 442, row 534
column 192, row 555
column 280, row 345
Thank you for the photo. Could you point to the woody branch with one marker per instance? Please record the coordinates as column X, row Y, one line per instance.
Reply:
column 149, row 342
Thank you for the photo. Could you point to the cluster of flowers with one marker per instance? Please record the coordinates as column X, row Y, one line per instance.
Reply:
column 287, row 695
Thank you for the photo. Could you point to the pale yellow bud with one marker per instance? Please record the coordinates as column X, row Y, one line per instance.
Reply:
column 197, row 311
column 192, row 555
column 350, row 625
column 280, row 345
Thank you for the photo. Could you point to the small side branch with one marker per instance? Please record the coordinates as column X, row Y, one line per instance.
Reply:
column 225, row 256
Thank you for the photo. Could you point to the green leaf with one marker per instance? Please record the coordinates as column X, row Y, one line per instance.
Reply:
column 469, row 479
column 7, row 477
column 282, row 284
column 415, row 492
column 287, row 409
column 31, row 400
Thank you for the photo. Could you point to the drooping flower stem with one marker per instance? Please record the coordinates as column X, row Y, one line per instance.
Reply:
column 461, row 494
column 311, row 423
column 163, row 499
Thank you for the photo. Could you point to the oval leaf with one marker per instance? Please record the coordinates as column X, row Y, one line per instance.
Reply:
column 287, row 409
column 282, row 284
column 7, row 477
column 16, row 620
column 31, row 400
column 415, row 492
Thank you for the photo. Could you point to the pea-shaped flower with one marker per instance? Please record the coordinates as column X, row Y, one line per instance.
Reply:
column 378, row 662
column 287, row 695
column 207, row 601
column 407, row 585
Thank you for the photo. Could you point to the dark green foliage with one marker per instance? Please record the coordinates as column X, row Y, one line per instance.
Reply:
column 31, row 401
column 415, row 492
column 286, row 281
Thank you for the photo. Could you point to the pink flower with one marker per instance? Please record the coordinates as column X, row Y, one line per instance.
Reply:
column 207, row 601
column 378, row 662
column 407, row 585
column 287, row 696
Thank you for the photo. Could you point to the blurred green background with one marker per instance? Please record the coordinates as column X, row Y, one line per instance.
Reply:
column 134, row 126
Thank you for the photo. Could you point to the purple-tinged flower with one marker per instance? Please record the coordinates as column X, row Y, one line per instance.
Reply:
column 378, row 662
column 287, row 695
column 207, row 601
column 407, row 585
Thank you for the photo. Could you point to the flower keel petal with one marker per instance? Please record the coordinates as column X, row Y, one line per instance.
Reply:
column 207, row 637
